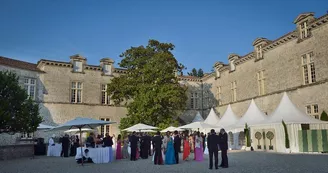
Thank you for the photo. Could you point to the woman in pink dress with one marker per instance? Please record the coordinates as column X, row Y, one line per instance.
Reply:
column 199, row 147
column 119, row 148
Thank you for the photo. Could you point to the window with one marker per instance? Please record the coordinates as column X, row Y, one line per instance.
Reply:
column 259, row 52
column 194, row 101
column 26, row 135
column 313, row 110
column 305, row 126
column 219, row 95
column 77, row 66
column 231, row 140
column 107, row 69
column 233, row 91
column 206, row 99
column 105, row 128
column 304, row 31
column 105, row 97
column 76, row 92
column 30, row 86
column 308, row 68
column 260, row 82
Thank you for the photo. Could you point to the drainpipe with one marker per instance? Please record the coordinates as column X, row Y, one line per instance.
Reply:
column 202, row 98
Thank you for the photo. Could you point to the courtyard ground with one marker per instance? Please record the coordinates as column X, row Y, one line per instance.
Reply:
column 239, row 162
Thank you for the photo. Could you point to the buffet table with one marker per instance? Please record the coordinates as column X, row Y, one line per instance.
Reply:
column 98, row 155
column 54, row 150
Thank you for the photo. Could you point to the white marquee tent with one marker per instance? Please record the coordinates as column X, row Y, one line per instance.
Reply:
column 198, row 118
column 252, row 116
column 293, row 117
column 212, row 118
column 229, row 118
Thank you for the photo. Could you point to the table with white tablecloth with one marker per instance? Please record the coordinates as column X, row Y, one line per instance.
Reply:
column 98, row 155
column 54, row 150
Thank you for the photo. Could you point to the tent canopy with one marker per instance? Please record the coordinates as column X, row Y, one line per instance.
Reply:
column 171, row 129
column 288, row 112
column 212, row 118
column 252, row 116
column 229, row 118
column 82, row 123
column 139, row 127
column 43, row 126
column 198, row 125
column 198, row 118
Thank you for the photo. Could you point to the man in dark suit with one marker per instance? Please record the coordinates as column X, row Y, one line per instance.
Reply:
column 213, row 148
column 157, row 142
column 223, row 142
column 133, row 145
column 177, row 146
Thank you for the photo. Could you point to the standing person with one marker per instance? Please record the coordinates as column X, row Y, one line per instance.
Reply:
column 90, row 141
column 157, row 142
column 133, row 145
column 125, row 152
column 108, row 142
column 186, row 147
column 199, row 147
column 203, row 136
column 119, row 148
column 144, row 146
column 73, row 148
column 223, row 143
column 177, row 146
column 149, row 144
column 169, row 154
column 213, row 148
column 65, row 145
column 77, row 141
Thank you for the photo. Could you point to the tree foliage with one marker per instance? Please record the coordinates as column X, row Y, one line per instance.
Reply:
column 18, row 113
column 286, row 135
column 196, row 73
column 247, row 135
column 324, row 116
column 150, row 89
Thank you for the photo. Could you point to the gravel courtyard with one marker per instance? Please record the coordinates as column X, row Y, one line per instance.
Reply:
column 239, row 162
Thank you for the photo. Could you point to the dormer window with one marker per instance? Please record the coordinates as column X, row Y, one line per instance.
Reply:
column 259, row 52
column 304, row 30
column 107, row 69
column 77, row 66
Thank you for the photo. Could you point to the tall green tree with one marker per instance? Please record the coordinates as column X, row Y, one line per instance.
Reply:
column 200, row 73
column 324, row 116
column 18, row 113
column 150, row 89
column 193, row 72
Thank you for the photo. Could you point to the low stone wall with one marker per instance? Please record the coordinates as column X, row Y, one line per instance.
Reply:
column 16, row 151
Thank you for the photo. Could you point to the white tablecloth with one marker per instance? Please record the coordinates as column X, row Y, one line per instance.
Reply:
column 98, row 155
column 54, row 150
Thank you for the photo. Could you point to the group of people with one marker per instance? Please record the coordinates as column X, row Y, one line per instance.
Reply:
column 165, row 150
column 68, row 144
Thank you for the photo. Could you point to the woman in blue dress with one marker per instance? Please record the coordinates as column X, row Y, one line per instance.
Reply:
column 169, row 155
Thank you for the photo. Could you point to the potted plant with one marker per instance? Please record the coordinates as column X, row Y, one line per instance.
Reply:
column 248, row 140
column 287, row 145
column 258, row 136
column 270, row 136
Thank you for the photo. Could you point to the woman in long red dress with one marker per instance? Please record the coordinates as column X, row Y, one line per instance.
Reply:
column 119, row 148
column 186, row 147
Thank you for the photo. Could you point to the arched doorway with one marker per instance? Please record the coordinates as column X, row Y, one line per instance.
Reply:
column 241, row 139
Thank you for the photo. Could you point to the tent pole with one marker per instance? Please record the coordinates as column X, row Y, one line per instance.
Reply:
column 81, row 145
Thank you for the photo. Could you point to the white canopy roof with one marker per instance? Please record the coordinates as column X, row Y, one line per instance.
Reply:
column 288, row 112
column 198, row 125
column 139, row 127
column 252, row 116
column 171, row 129
column 229, row 118
column 212, row 118
column 82, row 123
column 43, row 126
column 198, row 118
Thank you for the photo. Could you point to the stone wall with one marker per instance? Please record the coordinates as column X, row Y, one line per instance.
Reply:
column 16, row 151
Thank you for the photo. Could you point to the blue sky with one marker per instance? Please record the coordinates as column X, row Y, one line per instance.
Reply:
column 203, row 31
